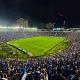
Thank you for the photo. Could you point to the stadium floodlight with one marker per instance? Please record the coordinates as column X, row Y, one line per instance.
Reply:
column 17, row 27
column 3, row 26
column 31, row 29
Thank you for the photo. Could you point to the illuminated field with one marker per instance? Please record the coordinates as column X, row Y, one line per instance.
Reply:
column 38, row 46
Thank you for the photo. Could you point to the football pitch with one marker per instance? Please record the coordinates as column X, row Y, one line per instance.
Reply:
column 41, row 45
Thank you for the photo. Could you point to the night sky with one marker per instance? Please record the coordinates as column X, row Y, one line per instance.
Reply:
column 40, row 10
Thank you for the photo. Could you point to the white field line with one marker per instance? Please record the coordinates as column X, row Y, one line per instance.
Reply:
column 22, row 50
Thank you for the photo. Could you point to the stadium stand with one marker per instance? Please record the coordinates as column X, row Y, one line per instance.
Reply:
column 6, row 36
column 64, row 66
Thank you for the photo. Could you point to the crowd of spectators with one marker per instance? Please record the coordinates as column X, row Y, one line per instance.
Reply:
column 6, row 36
column 63, row 66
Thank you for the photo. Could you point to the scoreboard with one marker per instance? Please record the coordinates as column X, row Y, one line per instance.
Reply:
column 58, row 29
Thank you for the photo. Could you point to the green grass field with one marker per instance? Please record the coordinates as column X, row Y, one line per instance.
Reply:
column 38, row 46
